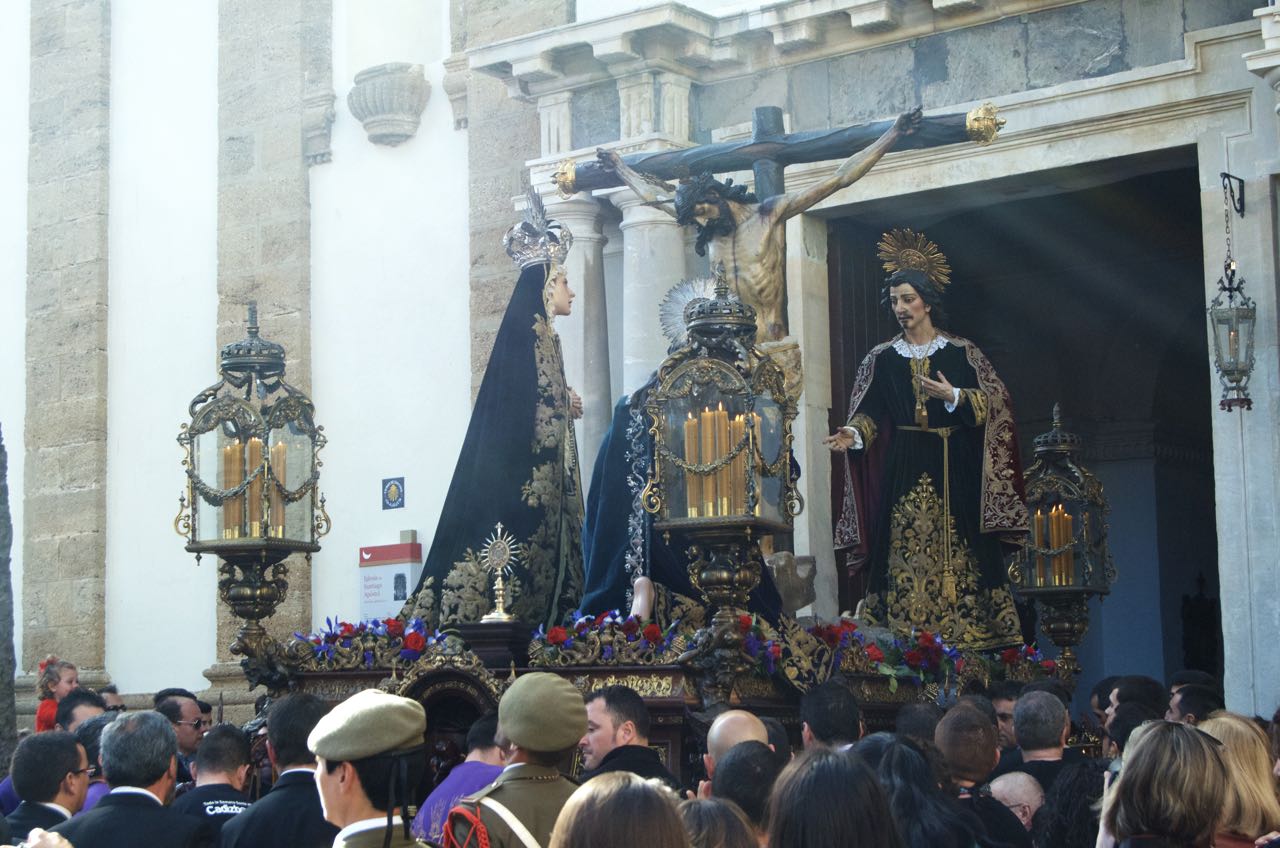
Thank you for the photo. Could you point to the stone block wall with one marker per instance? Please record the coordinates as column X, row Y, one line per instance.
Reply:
column 64, row 532
column 269, row 53
column 502, row 135
column 1014, row 54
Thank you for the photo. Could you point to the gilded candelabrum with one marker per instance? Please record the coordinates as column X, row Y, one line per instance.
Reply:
column 1065, row 559
column 250, row 456
column 722, row 476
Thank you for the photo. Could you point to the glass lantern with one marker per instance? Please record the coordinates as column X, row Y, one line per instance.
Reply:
column 721, row 422
column 1232, row 323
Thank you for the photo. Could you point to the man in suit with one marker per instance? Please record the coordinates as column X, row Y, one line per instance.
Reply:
column 290, row 814
column 189, row 725
column 541, row 717
column 51, row 775
column 140, row 760
column 369, row 760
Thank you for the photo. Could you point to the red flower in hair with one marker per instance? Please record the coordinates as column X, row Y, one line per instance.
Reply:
column 875, row 654
column 1009, row 656
column 652, row 634
column 744, row 623
column 557, row 635
column 415, row 641
column 913, row 658
column 395, row 627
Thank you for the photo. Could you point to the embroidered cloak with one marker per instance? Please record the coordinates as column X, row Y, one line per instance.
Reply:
column 518, row 468
column 927, row 510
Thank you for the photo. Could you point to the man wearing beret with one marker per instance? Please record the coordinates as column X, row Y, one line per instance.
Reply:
column 369, row 759
column 541, row 717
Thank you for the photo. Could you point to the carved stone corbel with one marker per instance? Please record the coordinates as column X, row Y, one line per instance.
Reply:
column 317, row 121
column 457, row 73
column 388, row 100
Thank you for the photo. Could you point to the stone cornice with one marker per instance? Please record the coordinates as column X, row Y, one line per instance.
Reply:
column 706, row 48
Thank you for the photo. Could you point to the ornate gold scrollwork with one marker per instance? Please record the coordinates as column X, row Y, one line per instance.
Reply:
column 983, row 123
column 565, row 178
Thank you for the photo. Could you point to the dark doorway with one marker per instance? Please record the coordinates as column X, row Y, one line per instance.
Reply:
column 1083, row 286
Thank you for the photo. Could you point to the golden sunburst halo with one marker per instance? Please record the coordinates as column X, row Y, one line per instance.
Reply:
column 907, row 250
column 501, row 551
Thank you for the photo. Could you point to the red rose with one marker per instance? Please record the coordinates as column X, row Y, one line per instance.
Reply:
column 346, row 629
column 557, row 635
column 913, row 658
column 631, row 625
column 847, row 626
column 875, row 654
column 395, row 627
column 652, row 633
column 744, row 623
column 415, row 641
column 1029, row 651
column 1049, row 666
column 926, row 640
column 1009, row 656
column 775, row 651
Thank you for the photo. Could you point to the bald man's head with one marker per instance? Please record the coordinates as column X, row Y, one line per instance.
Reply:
column 729, row 729
column 1021, row 793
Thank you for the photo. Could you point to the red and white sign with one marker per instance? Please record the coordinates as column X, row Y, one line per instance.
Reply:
column 388, row 575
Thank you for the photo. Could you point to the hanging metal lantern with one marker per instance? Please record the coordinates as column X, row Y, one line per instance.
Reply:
column 1232, row 320
column 250, row 454
column 1065, row 559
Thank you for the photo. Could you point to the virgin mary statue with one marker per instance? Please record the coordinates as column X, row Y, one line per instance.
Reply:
column 514, row 506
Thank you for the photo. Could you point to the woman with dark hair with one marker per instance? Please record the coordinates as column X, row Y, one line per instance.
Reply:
column 933, row 486
column 927, row 817
column 620, row 808
column 515, row 503
column 1069, row 816
column 826, row 797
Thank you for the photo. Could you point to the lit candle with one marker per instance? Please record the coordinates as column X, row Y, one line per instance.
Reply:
column 707, row 441
column 1233, row 345
column 737, row 474
column 693, row 492
column 1037, row 541
column 232, row 476
column 253, row 457
column 278, row 454
column 1069, row 558
column 722, row 450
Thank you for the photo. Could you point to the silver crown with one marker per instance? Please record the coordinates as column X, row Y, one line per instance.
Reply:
column 537, row 239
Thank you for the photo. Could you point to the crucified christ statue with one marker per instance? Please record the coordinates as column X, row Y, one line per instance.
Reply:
column 746, row 235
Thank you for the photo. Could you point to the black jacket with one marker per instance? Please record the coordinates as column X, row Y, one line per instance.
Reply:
column 289, row 814
column 127, row 820
column 637, row 759
column 29, row 816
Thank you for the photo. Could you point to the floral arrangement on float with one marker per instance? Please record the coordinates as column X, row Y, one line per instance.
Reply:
column 375, row 643
column 1025, row 663
column 922, row 658
column 606, row 639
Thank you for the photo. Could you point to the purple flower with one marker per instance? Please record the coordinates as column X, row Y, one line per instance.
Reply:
column 607, row 653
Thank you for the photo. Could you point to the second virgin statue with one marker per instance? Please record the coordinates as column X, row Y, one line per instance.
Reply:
column 514, row 505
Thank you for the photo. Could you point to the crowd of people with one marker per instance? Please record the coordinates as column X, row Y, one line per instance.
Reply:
column 993, row 769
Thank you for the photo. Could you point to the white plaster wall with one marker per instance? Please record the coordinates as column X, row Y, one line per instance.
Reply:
column 161, row 333
column 390, row 307
column 15, row 65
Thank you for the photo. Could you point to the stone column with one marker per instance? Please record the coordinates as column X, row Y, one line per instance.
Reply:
column 267, row 65
column 807, row 315
column 64, row 532
column 652, row 262
column 585, row 336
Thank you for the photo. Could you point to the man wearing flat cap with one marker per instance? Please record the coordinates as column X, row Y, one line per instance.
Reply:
column 541, row 717
column 369, row 759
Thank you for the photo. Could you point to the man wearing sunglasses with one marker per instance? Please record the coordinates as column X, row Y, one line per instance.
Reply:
column 184, row 714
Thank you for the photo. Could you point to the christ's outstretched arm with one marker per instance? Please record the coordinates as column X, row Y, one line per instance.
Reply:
column 641, row 184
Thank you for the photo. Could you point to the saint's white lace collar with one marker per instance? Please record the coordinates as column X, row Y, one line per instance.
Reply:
column 910, row 351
